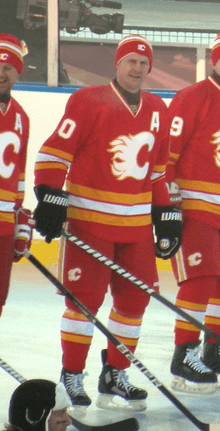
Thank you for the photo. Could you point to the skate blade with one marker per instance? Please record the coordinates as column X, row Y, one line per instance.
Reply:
column 180, row 384
column 114, row 402
column 78, row 411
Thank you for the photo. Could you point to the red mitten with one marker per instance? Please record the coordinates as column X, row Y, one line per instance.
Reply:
column 23, row 232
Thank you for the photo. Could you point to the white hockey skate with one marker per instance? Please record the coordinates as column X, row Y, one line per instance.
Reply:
column 115, row 391
column 191, row 374
column 74, row 387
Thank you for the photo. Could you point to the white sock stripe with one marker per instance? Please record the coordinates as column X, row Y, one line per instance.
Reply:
column 121, row 330
column 198, row 315
column 77, row 327
column 213, row 310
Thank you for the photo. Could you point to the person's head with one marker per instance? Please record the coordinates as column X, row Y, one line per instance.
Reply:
column 11, row 62
column 215, row 54
column 39, row 405
column 133, row 61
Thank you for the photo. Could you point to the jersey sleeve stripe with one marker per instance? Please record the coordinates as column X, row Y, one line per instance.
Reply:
column 57, row 153
column 48, row 165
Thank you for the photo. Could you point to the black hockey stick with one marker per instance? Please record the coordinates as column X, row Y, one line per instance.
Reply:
column 130, row 424
column 121, row 347
column 140, row 284
column 12, row 372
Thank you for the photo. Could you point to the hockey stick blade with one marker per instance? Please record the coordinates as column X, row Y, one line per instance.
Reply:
column 140, row 284
column 121, row 347
column 130, row 424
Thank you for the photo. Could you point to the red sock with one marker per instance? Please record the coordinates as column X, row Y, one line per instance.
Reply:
column 193, row 298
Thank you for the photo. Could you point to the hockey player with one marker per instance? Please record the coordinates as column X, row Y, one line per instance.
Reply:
column 112, row 148
column 39, row 405
column 194, row 166
column 15, row 229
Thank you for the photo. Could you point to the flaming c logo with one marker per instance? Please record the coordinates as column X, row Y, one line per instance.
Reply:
column 131, row 156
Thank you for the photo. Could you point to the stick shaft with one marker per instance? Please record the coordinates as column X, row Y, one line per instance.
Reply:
column 12, row 372
column 140, row 284
column 121, row 347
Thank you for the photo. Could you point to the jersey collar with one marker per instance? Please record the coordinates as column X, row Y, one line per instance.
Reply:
column 133, row 102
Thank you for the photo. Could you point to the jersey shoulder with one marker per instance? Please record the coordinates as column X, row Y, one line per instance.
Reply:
column 154, row 101
column 89, row 94
column 17, row 107
column 195, row 90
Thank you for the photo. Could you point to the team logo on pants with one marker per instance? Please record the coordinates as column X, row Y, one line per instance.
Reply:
column 194, row 259
column 74, row 274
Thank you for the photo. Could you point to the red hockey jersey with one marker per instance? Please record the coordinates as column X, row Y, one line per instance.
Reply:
column 14, row 131
column 110, row 157
column 194, row 160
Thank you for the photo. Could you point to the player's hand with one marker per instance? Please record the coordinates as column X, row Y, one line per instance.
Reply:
column 51, row 211
column 23, row 232
column 167, row 221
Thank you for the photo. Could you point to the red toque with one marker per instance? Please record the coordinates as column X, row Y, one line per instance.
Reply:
column 134, row 44
column 215, row 54
column 11, row 51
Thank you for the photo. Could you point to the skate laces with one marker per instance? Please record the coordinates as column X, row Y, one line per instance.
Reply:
column 122, row 380
column 192, row 359
column 74, row 383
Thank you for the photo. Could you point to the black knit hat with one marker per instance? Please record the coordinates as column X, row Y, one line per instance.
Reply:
column 31, row 404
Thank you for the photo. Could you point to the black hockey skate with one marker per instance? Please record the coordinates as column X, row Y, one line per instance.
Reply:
column 211, row 356
column 74, row 387
column 113, row 382
column 187, row 365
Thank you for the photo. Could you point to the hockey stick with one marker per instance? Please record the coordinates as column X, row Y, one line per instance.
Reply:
column 12, row 372
column 140, row 284
column 130, row 424
column 121, row 347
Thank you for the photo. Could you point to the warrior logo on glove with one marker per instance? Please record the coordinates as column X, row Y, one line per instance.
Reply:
column 51, row 211
column 167, row 222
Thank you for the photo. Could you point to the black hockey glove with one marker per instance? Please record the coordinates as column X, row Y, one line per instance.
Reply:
column 51, row 211
column 167, row 221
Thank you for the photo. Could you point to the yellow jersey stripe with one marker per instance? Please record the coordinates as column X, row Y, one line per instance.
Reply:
column 102, row 218
column 99, row 195
column 50, row 165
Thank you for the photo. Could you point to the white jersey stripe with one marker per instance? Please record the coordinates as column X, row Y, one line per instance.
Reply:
column 207, row 197
column 104, row 207
column 7, row 206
